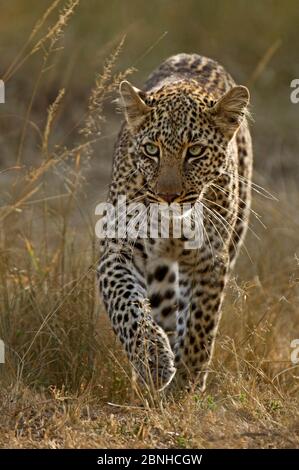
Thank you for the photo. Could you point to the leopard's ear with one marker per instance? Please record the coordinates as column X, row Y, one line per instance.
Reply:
column 134, row 107
column 229, row 111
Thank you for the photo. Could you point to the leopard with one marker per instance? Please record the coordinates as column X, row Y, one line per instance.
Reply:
column 185, row 137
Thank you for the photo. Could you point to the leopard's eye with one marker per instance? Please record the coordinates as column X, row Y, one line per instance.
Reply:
column 151, row 150
column 196, row 151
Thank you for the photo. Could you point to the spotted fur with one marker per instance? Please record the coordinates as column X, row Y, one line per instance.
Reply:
column 164, row 301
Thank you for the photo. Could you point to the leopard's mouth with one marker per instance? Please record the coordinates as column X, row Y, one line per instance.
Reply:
column 179, row 199
column 189, row 198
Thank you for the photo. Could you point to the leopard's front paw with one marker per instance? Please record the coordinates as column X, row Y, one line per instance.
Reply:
column 153, row 359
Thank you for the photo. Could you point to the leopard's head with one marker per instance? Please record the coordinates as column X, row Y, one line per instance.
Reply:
column 181, row 136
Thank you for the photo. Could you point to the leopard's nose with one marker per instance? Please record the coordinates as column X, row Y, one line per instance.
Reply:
column 168, row 197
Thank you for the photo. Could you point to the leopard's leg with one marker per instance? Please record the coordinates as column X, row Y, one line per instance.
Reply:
column 203, row 274
column 163, row 293
column 198, row 320
column 123, row 290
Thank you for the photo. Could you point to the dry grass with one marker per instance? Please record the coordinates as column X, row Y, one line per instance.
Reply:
column 66, row 382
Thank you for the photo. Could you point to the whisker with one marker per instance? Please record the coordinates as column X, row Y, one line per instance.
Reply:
column 234, row 231
column 257, row 188
column 231, row 212
column 222, row 223
column 210, row 220
column 207, row 236
column 227, row 193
